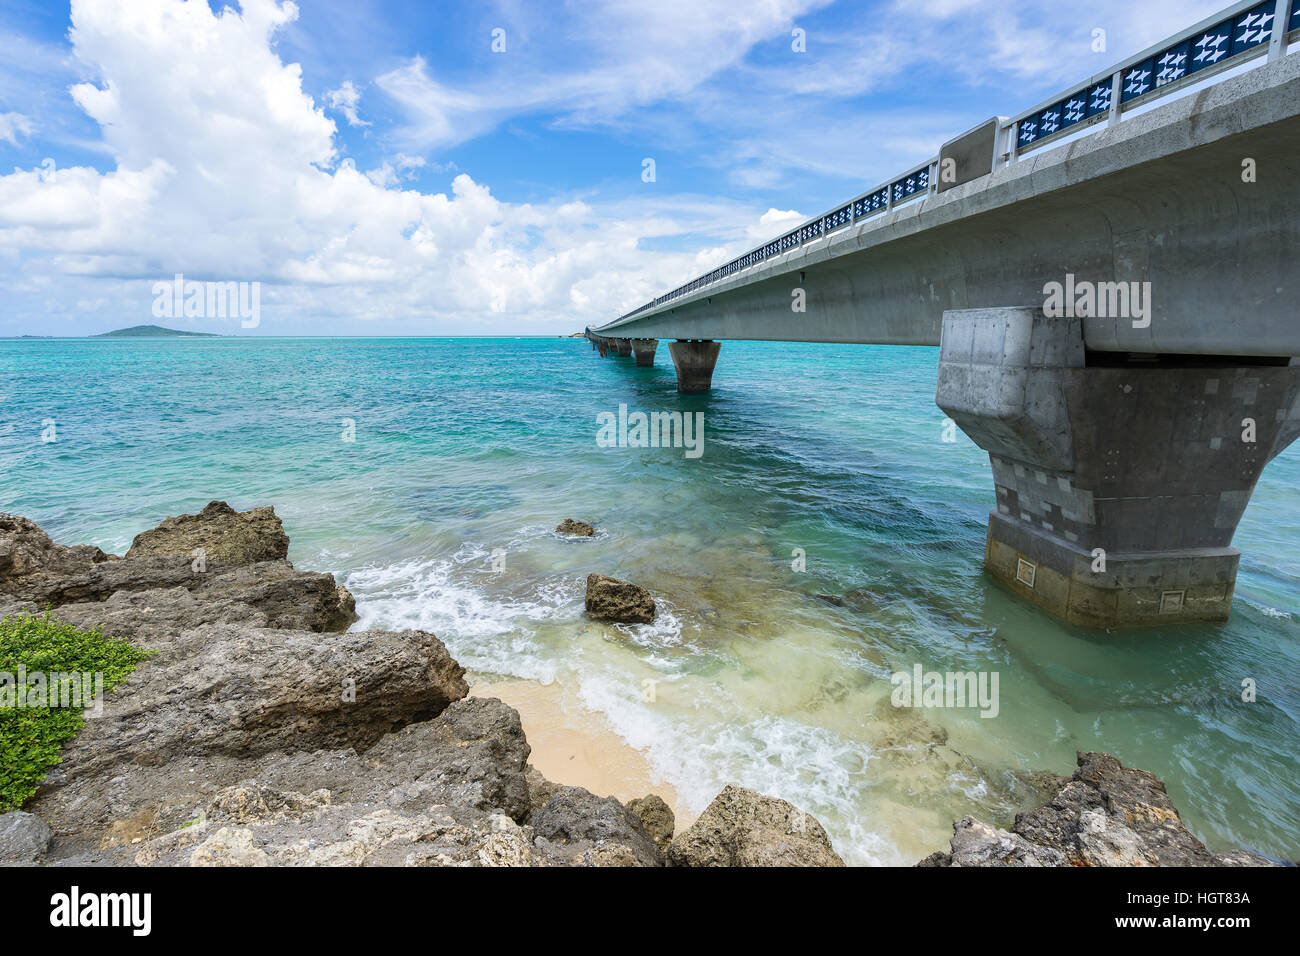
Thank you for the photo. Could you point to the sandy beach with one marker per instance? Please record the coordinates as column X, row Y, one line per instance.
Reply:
column 575, row 746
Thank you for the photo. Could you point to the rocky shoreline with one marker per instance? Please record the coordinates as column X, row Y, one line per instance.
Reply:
column 1106, row 814
column 262, row 732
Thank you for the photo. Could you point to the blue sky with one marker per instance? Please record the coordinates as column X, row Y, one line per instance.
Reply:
column 379, row 169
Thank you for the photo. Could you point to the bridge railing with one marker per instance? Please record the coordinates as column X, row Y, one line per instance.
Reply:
column 1237, row 34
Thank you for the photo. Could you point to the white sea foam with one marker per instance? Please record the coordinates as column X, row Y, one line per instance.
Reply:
column 1269, row 611
column 482, row 633
column 811, row 767
column 702, row 741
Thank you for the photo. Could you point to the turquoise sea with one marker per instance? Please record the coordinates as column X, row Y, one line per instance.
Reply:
column 469, row 448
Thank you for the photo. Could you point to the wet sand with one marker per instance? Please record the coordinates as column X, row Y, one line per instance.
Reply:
column 576, row 746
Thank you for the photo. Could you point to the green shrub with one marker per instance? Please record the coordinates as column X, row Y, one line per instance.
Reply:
column 31, row 737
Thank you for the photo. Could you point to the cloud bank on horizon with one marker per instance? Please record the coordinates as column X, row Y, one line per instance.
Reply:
column 476, row 169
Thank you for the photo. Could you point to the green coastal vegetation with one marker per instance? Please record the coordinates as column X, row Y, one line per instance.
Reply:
column 35, row 719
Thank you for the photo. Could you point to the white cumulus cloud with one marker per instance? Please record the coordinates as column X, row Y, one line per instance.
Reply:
column 225, row 169
column 14, row 126
column 346, row 99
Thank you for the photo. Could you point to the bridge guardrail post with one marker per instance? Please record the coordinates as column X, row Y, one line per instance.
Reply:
column 1277, row 44
column 1116, row 98
column 1001, row 154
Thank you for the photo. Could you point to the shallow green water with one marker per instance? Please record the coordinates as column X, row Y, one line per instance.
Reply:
column 466, row 448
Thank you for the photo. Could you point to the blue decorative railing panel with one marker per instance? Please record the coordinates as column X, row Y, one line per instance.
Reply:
column 1173, row 64
column 870, row 204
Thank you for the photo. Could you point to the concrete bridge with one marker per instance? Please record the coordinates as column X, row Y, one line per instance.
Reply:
column 1113, row 279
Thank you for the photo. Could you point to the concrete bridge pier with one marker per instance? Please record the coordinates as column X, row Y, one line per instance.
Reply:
column 694, row 361
column 1120, row 479
column 623, row 347
column 603, row 346
column 644, row 350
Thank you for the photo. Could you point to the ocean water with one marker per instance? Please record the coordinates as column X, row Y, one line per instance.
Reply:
column 467, row 453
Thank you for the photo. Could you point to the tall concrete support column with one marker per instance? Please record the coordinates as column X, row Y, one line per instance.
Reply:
column 644, row 350
column 603, row 346
column 1120, row 481
column 694, row 361
column 624, row 347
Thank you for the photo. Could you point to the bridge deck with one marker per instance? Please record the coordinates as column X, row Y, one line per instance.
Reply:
column 1157, row 198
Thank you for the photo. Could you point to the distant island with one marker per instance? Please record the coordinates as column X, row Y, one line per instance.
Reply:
column 153, row 332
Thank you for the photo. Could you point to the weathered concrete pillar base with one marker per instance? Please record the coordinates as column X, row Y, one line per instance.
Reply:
column 1120, row 480
column 644, row 350
column 624, row 347
column 694, row 361
column 1152, row 588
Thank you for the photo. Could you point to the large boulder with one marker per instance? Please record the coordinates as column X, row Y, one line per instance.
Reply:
column 144, row 594
column 151, row 598
column 578, row 827
column 578, row 529
column 474, row 754
column 1112, row 815
column 1105, row 815
column 32, row 565
column 609, row 599
column 744, row 828
column 978, row 844
column 439, row 792
column 230, row 700
column 23, row 838
column 224, row 535
column 656, row 818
